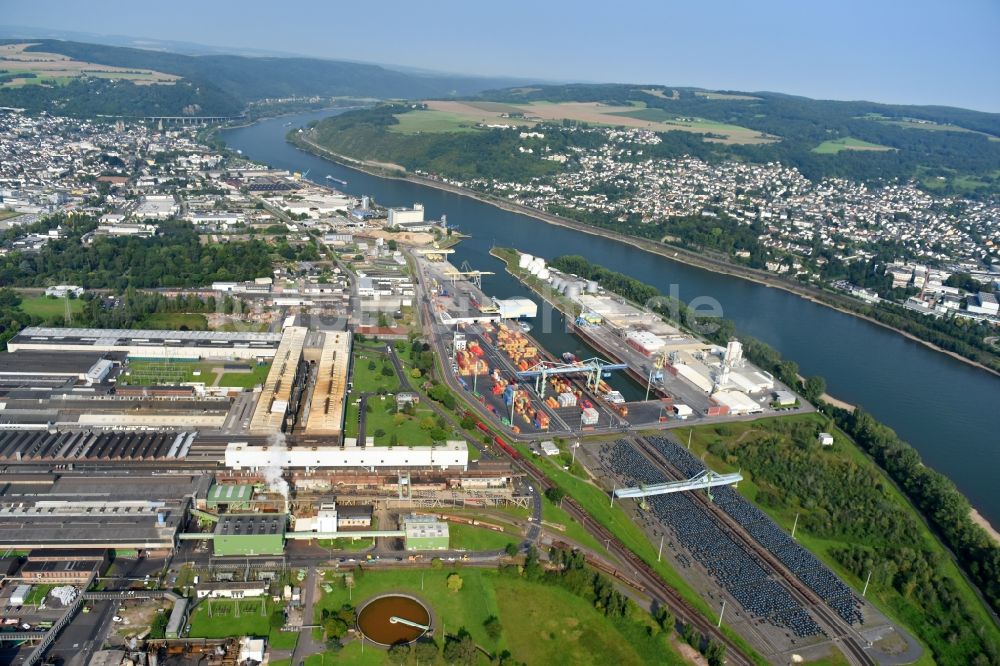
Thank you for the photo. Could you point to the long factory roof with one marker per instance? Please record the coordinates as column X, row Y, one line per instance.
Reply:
column 118, row 337
column 269, row 413
column 326, row 414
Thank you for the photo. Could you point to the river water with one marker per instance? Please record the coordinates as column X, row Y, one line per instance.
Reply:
column 942, row 406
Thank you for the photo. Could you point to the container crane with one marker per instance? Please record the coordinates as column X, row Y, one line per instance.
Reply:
column 593, row 368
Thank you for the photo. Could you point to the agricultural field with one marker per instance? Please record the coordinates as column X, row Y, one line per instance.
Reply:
column 635, row 115
column 707, row 94
column 40, row 68
column 541, row 623
column 834, row 146
column 928, row 125
column 424, row 121
column 48, row 307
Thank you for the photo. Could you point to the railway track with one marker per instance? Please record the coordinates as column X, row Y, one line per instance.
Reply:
column 643, row 573
column 836, row 629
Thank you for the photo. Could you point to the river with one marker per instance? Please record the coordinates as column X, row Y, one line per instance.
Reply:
column 942, row 406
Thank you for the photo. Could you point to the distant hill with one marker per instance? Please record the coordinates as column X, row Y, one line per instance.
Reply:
column 218, row 84
column 947, row 149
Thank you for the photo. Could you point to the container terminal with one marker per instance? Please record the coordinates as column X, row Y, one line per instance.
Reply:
column 533, row 391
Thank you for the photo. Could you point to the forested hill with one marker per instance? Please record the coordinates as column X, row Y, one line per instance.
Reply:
column 950, row 150
column 220, row 84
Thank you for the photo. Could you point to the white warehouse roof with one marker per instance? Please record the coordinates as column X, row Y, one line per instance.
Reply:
column 451, row 454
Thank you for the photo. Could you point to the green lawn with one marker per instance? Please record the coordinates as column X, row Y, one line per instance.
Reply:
column 223, row 621
column 834, row 146
column 472, row 538
column 48, row 307
column 175, row 321
column 346, row 543
column 282, row 640
column 542, row 624
column 7, row 214
column 430, row 120
column 37, row 594
column 242, row 326
column 407, row 428
column 167, row 372
column 246, row 380
column 367, row 380
column 843, row 453
column 351, row 654
column 574, row 530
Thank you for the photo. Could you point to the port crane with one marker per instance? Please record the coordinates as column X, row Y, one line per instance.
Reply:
column 476, row 277
column 706, row 479
column 593, row 368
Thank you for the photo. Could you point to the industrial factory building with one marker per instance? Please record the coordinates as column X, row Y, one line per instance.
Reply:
column 425, row 533
column 280, row 387
column 326, row 410
column 450, row 455
column 82, row 511
column 232, row 498
column 148, row 343
column 248, row 534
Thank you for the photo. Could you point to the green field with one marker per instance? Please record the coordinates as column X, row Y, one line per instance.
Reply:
column 242, row 326
column 834, row 146
column 430, row 120
column 408, row 429
column 574, row 531
column 246, row 380
column 175, row 321
column 366, row 380
column 282, row 640
column 345, row 543
column 169, row 372
column 844, row 460
column 542, row 623
column 8, row 214
column 928, row 125
column 37, row 594
column 472, row 538
column 48, row 307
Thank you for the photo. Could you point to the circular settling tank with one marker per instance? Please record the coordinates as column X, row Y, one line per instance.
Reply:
column 391, row 619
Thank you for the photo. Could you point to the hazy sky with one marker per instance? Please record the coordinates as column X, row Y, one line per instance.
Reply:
column 908, row 51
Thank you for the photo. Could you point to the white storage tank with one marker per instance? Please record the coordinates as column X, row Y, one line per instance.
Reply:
column 537, row 262
column 534, row 268
column 592, row 287
column 573, row 290
column 558, row 283
column 543, row 274
column 524, row 260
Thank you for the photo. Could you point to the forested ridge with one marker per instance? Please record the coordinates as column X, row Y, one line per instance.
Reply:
column 220, row 85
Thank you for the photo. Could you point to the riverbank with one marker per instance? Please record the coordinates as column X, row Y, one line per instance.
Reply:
column 680, row 255
column 978, row 519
